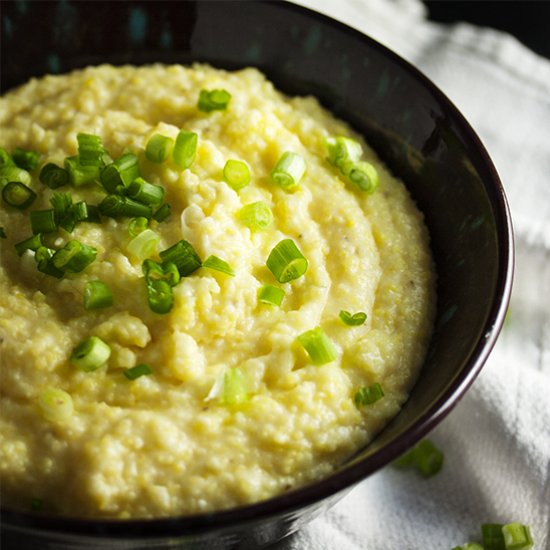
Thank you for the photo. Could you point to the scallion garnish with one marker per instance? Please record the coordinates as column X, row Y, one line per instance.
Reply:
column 90, row 150
column 236, row 174
column 352, row 320
column 32, row 243
column 185, row 149
column 55, row 405
column 318, row 345
column 286, row 262
column 43, row 257
column 217, row 264
column 184, row 256
column 162, row 213
column 80, row 174
column 144, row 244
column 492, row 536
column 288, row 171
column 97, row 295
column 5, row 158
column 365, row 176
column 257, row 215
column 271, row 295
column 18, row 195
column 167, row 272
column 213, row 100
column 74, row 257
column 145, row 192
column 78, row 212
column 137, row 225
column 517, row 536
column 159, row 148
column 117, row 205
column 53, row 176
column 367, row 395
column 343, row 150
column 43, row 221
column 230, row 387
column 90, row 354
column 118, row 175
column 424, row 456
column 139, row 370
column 28, row 160
column 159, row 295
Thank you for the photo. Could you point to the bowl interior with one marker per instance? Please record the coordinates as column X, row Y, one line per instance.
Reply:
column 411, row 125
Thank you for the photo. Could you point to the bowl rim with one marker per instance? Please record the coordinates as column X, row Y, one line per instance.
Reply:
column 349, row 475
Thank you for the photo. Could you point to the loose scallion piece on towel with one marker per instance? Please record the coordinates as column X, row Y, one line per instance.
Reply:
column 425, row 457
column 115, row 206
column 257, row 215
column 217, row 264
column 492, row 536
column 469, row 546
column 184, row 256
column 53, row 176
column 32, row 243
column 159, row 148
column 90, row 354
column 288, row 171
column 271, row 295
column 18, row 195
column 185, row 149
column 367, row 395
column 55, row 405
column 352, row 320
column 318, row 345
column 144, row 244
column 139, row 370
column 97, row 295
column 90, row 150
column 213, row 100
column 43, row 221
column 81, row 174
column 236, row 174
column 28, row 160
column 286, row 262
column 74, row 257
column 118, row 175
column 517, row 536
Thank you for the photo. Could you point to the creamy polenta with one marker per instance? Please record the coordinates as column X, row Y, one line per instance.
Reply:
column 228, row 404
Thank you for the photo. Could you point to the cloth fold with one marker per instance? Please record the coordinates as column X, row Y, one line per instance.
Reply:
column 497, row 440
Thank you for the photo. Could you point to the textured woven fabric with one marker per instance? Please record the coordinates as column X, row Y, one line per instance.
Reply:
column 497, row 440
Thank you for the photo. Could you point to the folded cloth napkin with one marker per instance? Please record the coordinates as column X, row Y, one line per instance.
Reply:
column 497, row 440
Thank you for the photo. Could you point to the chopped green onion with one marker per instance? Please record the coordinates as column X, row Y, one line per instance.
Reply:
column 288, row 171
column 145, row 192
column 36, row 504
column 97, row 295
column 78, row 212
column 271, row 295
column 492, row 536
column 167, row 272
column 257, row 215
column 343, row 149
column 318, row 345
column 28, row 160
column 144, row 244
column 352, row 320
column 139, row 370
column 185, row 149
column 18, row 195
column 90, row 150
column 80, row 174
column 158, row 148
column 120, row 173
column 137, row 225
column 55, row 405
column 53, row 176
column 286, row 262
column 367, row 395
column 236, row 174
column 217, row 264
column 74, row 257
column 5, row 158
column 43, row 257
column 90, row 354
column 213, row 100
column 94, row 215
column 517, row 536
column 61, row 203
column 424, row 456
column 229, row 387
column 10, row 172
column 3, row 233
column 43, row 221
column 32, row 243
column 159, row 296
column 184, row 256
column 162, row 213
column 117, row 205
column 365, row 176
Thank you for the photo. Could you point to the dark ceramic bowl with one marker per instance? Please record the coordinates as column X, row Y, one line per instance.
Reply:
column 414, row 128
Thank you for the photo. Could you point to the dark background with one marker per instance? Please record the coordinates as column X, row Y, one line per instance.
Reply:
column 528, row 21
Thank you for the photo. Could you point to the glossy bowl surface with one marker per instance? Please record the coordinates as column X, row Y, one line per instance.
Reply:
column 414, row 128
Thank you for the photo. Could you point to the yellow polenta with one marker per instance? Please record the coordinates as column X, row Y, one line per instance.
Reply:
column 158, row 445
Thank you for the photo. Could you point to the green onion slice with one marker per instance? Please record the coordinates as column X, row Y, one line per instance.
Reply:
column 145, row 192
column 318, row 345
column 425, row 457
column 97, row 295
column 5, row 158
column 230, row 387
column 115, row 206
column 118, row 175
column 28, row 160
column 80, row 174
column 162, row 213
column 144, row 244
column 43, row 257
column 367, row 395
column 55, row 405
column 90, row 354
column 492, row 536
column 271, row 295
column 288, row 171
column 53, row 176
column 217, row 264
column 137, row 225
column 257, row 215
column 74, row 257
column 18, row 195
column 517, row 536
column 236, row 174
column 32, row 243
column 343, row 149
column 286, row 262
column 352, row 320
column 184, row 256
column 10, row 172
column 159, row 148
column 185, row 149
column 159, row 296
column 213, row 100
column 90, row 150
column 139, row 370
column 43, row 221
column 167, row 272
column 365, row 176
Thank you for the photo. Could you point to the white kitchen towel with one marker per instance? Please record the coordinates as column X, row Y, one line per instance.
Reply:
column 497, row 440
